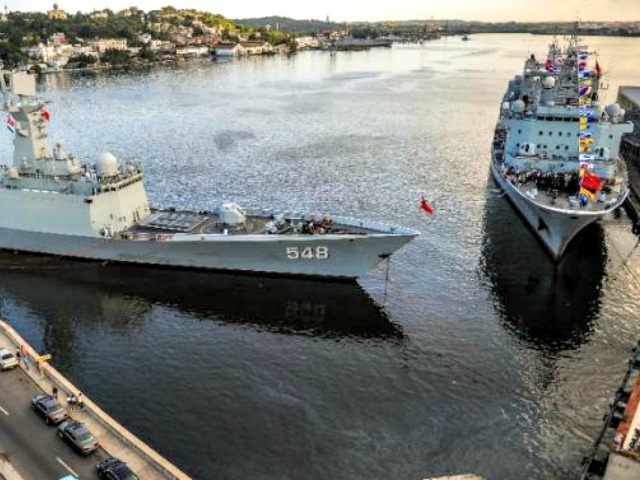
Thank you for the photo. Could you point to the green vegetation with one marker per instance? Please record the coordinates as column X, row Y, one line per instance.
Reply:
column 11, row 54
column 116, row 58
column 291, row 25
column 82, row 61
column 30, row 28
column 24, row 29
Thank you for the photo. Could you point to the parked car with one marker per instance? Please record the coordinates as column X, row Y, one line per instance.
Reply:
column 7, row 359
column 49, row 408
column 78, row 436
column 114, row 469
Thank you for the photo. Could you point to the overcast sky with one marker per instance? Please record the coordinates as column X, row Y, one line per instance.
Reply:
column 342, row 10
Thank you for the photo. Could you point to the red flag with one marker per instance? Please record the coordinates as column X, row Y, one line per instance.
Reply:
column 598, row 70
column 591, row 182
column 45, row 115
column 425, row 206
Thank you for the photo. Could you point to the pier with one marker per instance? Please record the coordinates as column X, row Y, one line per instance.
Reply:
column 31, row 449
column 616, row 451
column 629, row 99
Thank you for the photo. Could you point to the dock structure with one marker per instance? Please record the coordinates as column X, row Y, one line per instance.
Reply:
column 616, row 451
column 114, row 439
column 466, row 476
column 629, row 99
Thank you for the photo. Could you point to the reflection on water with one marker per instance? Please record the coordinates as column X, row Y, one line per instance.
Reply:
column 122, row 295
column 549, row 305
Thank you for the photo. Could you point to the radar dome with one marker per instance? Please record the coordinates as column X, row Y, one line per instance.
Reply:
column 613, row 110
column 549, row 82
column 107, row 165
column 518, row 106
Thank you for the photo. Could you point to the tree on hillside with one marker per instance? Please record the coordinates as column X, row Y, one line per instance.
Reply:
column 116, row 57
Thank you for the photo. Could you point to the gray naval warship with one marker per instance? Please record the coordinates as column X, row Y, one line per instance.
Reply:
column 51, row 203
column 556, row 150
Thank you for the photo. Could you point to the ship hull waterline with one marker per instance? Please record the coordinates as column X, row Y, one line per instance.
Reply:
column 348, row 257
column 554, row 229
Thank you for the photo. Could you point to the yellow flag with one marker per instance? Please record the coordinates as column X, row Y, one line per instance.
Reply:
column 587, row 193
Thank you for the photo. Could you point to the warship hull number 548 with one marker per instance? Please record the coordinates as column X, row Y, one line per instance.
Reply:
column 51, row 203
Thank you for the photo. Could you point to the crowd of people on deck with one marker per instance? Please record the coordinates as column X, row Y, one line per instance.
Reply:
column 555, row 183
column 561, row 182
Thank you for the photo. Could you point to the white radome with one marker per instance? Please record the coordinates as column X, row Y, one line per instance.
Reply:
column 107, row 165
column 518, row 106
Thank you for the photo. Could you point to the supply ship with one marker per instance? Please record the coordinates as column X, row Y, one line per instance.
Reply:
column 556, row 151
column 52, row 203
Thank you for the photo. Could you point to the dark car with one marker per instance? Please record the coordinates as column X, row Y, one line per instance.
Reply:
column 78, row 436
column 49, row 408
column 114, row 469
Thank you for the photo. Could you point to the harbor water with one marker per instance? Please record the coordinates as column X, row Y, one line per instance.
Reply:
column 477, row 355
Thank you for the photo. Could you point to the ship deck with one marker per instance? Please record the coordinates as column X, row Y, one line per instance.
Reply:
column 169, row 222
column 559, row 199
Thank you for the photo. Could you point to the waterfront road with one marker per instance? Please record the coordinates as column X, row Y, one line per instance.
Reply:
column 31, row 446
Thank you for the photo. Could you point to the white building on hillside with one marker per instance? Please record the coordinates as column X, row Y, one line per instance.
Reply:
column 256, row 47
column 103, row 44
column 229, row 50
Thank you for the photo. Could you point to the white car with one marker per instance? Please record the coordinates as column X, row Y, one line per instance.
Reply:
column 7, row 359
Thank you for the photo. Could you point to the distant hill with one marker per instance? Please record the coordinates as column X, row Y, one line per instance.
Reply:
column 290, row 24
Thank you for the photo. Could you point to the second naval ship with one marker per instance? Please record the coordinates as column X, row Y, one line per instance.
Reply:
column 556, row 150
column 51, row 203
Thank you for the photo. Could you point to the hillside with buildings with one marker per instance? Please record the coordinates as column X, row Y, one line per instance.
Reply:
column 60, row 39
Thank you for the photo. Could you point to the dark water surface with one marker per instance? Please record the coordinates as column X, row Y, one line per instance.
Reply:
column 485, row 357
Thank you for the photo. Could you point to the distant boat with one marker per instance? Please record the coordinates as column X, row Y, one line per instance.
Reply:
column 465, row 37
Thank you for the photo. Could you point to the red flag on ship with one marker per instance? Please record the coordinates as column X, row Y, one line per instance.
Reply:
column 45, row 115
column 591, row 182
column 424, row 206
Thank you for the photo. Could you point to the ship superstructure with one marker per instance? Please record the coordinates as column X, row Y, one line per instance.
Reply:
column 556, row 151
column 52, row 203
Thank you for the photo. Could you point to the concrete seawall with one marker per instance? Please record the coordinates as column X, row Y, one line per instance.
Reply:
column 114, row 438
